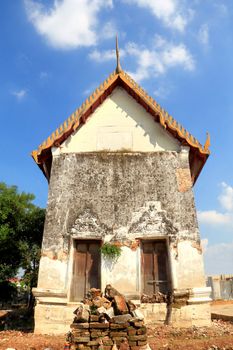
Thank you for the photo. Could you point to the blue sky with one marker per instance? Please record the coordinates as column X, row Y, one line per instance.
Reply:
column 54, row 53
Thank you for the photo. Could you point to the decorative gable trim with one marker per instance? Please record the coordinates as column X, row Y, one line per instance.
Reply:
column 42, row 155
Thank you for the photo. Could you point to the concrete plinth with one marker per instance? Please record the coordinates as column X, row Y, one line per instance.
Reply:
column 53, row 318
column 186, row 316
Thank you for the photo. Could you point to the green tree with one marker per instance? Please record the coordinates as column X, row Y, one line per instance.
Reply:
column 21, row 229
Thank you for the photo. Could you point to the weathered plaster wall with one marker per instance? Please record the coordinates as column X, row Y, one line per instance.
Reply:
column 120, row 123
column 122, row 196
column 123, row 275
column 120, row 177
column 188, row 252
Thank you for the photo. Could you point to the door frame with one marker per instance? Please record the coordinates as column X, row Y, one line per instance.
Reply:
column 169, row 265
column 71, row 261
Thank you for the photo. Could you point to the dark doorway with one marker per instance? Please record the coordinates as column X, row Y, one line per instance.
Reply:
column 86, row 268
column 154, row 267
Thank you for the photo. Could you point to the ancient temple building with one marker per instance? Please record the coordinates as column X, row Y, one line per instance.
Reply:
column 121, row 170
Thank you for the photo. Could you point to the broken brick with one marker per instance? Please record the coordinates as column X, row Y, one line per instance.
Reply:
column 120, row 305
column 79, row 325
column 97, row 325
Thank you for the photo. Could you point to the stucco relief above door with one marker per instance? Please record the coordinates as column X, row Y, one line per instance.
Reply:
column 88, row 223
column 151, row 220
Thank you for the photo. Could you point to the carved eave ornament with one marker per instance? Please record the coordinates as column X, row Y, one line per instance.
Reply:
column 198, row 153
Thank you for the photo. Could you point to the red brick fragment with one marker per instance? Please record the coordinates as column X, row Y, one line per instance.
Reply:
column 120, row 305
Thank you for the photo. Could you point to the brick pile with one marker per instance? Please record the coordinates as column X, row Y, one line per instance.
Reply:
column 93, row 334
column 100, row 328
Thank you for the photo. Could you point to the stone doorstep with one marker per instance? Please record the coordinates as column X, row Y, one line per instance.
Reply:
column 51, row 301
column 49, row 293
column 197, row 301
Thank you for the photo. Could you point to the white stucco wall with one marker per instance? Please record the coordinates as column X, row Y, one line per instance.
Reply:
column 119, row 123
column 52, row 273
column 124, row 273
column 187, row 266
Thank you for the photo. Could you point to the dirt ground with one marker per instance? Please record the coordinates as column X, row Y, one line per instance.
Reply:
column 218, row 336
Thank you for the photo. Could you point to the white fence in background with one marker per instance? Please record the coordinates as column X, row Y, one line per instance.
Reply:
column 222, row 286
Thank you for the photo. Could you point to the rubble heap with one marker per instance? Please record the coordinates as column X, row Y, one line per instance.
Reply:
column 105, row 322
column 157, row 297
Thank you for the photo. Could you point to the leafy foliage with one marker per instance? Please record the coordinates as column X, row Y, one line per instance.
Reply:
column 110, row 251
column 21, row 228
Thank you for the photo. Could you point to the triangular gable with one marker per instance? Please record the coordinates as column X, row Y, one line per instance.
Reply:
column 198, row 153
column 119, row 124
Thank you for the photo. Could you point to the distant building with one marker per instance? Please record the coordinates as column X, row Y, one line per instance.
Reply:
column 121, row 170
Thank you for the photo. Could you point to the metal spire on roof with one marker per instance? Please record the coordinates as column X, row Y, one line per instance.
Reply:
column 118, row 66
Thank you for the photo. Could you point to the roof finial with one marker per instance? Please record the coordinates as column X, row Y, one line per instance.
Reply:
column 207, row 142
column 118, row 66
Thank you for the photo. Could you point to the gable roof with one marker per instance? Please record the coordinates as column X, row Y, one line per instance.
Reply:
column 198, row 153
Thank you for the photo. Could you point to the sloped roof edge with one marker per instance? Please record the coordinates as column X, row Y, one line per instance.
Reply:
column 98, row 96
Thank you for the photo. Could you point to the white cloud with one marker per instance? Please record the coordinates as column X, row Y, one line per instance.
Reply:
column 172, row 13
column 44, row 75
column 19, row 94
column 109, row 30
column 178, row 55
column 68, row 24
column 218, row 259
column 90, row 89
column 213, row 217
column 162, row 92
column 226, row 197
column 151, row 61
column 221, row 9
column 104, row 56
column 203, row 34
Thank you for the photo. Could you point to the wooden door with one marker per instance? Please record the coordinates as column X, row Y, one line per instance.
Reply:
column 86, row 268
column 154, row 267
